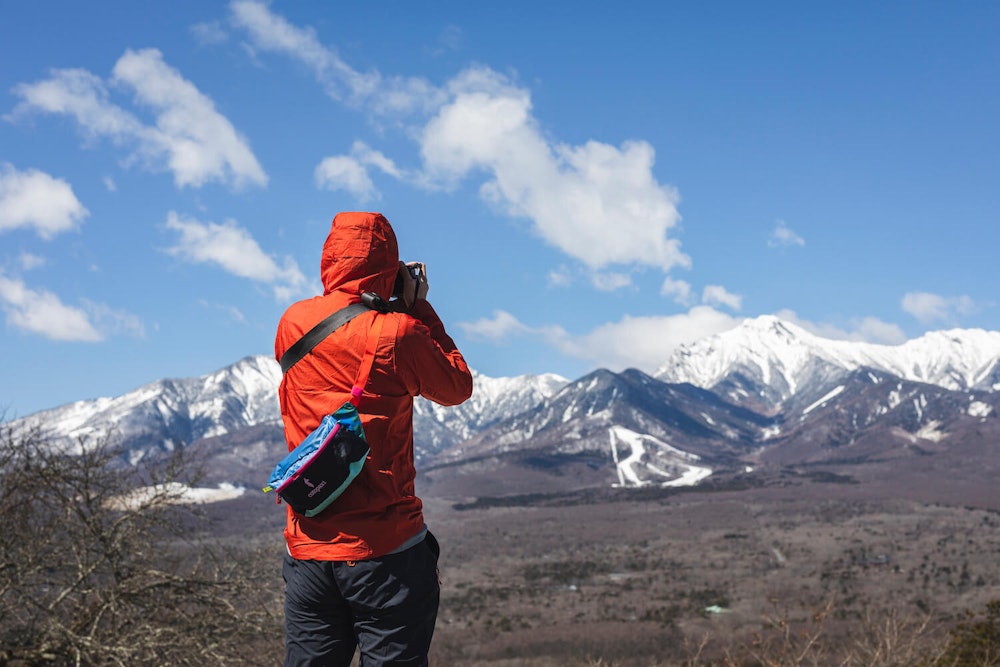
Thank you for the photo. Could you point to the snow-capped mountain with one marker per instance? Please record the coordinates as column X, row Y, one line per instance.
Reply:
column 765, row 392
column 782, row 359
column 629, row 428
column 871, row 415
column 436, row 427
column 176, row 412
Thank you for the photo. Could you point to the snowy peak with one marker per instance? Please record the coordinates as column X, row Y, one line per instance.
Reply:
column 177, row 412
column 781, row 358
column 765, row 391
column 493, row 400
column 174, row 411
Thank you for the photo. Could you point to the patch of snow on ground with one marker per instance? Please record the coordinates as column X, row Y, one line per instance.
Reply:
column 823, row 400
column 690, row 477
column 626, row 470
column 931, row 432
column 638, row 458
column 894, row 397
column 979, row 409
column 770, row 432
column 176, row 493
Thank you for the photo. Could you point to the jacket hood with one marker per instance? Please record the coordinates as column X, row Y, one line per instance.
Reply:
column 360, row 255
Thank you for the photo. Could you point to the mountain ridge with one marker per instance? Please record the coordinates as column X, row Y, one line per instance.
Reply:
column 776, row 351
column 763, row 392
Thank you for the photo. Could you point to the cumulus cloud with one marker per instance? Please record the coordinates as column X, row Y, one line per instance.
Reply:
column 678, row 290
column 781, row 236
column 498, row 328
column 929, row 308
column 38, row 201
column 42, row 312
column 189, row 136
column 344, row 172
column 645, row 342
column 864, row 329
column 233, row 249
column 632, row 342
column 717, row 295
column 598, row 203
column 350, row 172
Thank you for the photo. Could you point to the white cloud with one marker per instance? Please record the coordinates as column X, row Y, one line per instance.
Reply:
column 499, row 328
column 350, row 172
column 782, row 236
column 597, row 203
column 42, row 312
column 645, row 342
column 190, row 137
column 29, row 261
column 344, row 172
column 633, row 342
column 201, row 143
column 269, row 32
column 374, row 158
column 110, row 321
column 609, row 281
column 232, row 248
column 717, row 295
column 36, row 200
column 678, row 290
column 929, row 308
column 865, row 329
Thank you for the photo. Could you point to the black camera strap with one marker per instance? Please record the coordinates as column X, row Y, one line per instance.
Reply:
column 304, row 345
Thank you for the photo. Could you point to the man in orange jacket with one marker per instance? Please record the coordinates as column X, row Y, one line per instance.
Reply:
column 364, row 571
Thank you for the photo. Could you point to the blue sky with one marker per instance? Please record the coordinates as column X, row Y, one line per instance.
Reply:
column 590, row 184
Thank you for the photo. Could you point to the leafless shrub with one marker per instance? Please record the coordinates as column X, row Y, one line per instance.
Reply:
column 98, row 565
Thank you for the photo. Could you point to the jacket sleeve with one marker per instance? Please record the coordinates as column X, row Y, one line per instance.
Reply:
column 428, row 361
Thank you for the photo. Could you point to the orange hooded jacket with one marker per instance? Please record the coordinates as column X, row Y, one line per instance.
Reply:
column 379, row 511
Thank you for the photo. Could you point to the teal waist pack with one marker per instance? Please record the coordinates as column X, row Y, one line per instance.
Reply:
column 315, row 473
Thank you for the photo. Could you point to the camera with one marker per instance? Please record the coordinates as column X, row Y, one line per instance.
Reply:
column 417, row 272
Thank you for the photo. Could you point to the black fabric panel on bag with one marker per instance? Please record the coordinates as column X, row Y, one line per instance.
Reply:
column 325, row 472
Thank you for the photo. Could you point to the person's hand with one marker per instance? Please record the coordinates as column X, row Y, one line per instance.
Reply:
column 414, row 280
